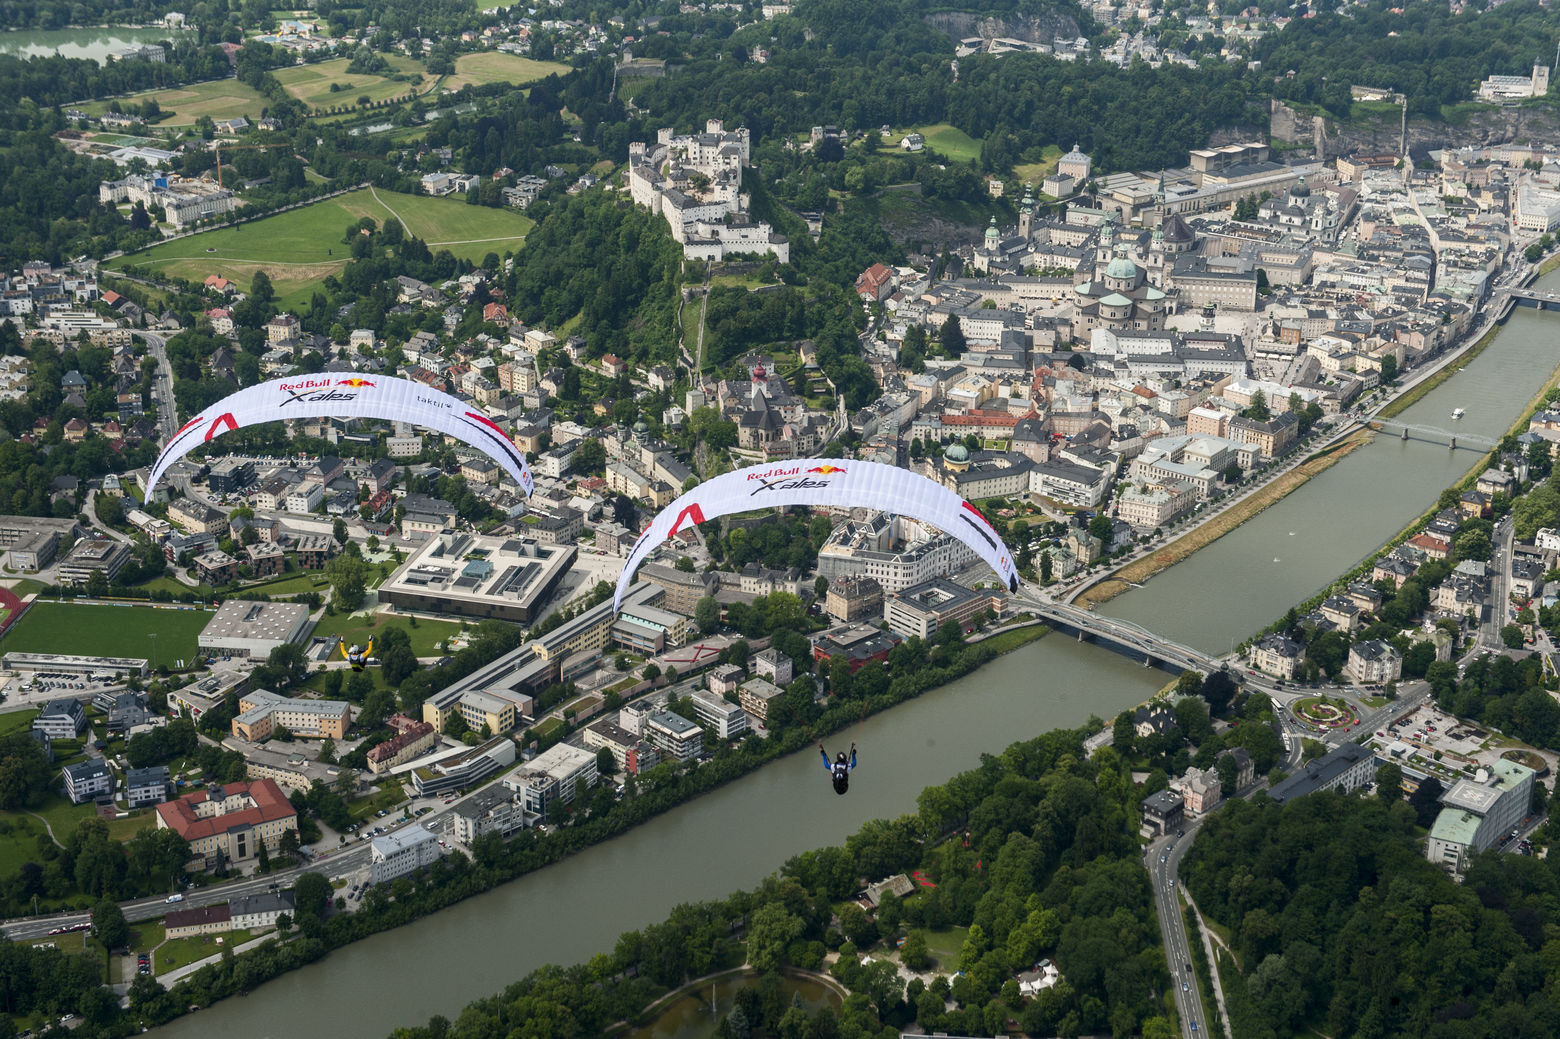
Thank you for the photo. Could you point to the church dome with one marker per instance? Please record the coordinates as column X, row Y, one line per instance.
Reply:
column 1300, row 190
column 641, row 427
column 992, row 234
column 1121, row 269
column 957, row 453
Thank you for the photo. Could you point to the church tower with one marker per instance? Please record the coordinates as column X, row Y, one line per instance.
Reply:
column 1026, row 213
column 1106, row 250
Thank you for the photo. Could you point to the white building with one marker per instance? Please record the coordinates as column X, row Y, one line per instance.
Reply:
column 896, row 551
column 557, row 774
column 399, row 852
column 674, row 736
column 1479, row 812
column 728, row 719
column 489, row 810
column 252, row 629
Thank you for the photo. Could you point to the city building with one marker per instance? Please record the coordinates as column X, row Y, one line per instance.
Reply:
column 200, row 920
column 895, row 551
column 592, row 629
column 556, row 775
column 291, row 769
column 514, row 677
column 228, row 823
column 632, row 754
column 1373, row 662
column 465, row 768
column 674, row 736
column 1343, row 769
column 1277, row 655
column 1479, row 812
column 1163, row 812
column 262, row 711
column 921, row 609
column 258, row 912
column 88, row 780
column 756, row 695
column 851, row 599
column 147, row 786
column 857, row 644
column 727, row 719
column 60, row 719
column 400, row 852
column 412, row 740
column 241, row 628
column 493, row 809
column 31, row 542
column 476, row 575
column 773, row 665
column 92, row 555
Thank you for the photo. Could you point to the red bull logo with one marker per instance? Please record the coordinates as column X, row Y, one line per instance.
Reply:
column 827, row 470
column 354, row 382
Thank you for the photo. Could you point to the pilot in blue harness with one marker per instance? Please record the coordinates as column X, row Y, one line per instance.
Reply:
column 840, row 768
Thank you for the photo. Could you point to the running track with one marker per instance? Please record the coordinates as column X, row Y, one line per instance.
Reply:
column 12, row 605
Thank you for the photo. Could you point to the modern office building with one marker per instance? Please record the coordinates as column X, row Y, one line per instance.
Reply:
column 399, row 852
column 674, row 736
column 1478, row 813
column 494, row 809
column 556, row 775
column 728, row 720
column 474, row 575
column 465, row 768
column 921, row 609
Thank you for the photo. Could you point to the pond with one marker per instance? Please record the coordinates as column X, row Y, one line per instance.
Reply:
column 94, row 43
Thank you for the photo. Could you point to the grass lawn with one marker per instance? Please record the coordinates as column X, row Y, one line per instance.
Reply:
column 545, row 727
column 25, row 586
column 18, row 841
column 298, row 249
column 294, row 584
column 219, row 99
column 495, row 67
column 14, row 720
column 312, row 84
column 365, row 807
column 64, row 818
column 945, row 946
column 115, row 631
column 1035, row 172
column 951, row 142
column 181, row 952
column 170, row 584
column 425, row 637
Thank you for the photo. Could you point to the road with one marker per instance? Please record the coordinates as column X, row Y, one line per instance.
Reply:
column 1163, row 858
column 162, row 385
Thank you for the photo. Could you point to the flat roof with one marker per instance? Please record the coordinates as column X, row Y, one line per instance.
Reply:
column 242, row 619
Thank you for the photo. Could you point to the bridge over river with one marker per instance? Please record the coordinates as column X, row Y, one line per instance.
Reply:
column 1129, row 638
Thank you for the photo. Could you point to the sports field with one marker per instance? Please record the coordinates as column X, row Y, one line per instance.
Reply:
column 496, row 67
column 108, row 631
column 312, row 84
column 219, row 99
column 299, row 248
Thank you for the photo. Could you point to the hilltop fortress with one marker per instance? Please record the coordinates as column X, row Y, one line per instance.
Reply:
column 695, row 181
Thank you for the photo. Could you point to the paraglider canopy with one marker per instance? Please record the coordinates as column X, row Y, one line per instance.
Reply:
column 838, row 482
column 347, row 395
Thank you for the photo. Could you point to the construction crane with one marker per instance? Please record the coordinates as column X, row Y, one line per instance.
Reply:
column 217, row 147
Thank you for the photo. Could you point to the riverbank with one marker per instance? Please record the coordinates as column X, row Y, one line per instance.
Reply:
column 458, row 878
column 1205, row 534
column 1409, row 398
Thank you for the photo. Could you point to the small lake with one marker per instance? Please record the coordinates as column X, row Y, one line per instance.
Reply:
column 95, row 43
column 692, row 1016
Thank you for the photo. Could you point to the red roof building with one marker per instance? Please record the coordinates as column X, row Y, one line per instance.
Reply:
column 229, row 822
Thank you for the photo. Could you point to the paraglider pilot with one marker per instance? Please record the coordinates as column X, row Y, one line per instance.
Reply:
column 840, row 768
column 357, row 656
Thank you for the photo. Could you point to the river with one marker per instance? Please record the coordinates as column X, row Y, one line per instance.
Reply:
column 95, row 43
column 1251, row 576
column 732, row 838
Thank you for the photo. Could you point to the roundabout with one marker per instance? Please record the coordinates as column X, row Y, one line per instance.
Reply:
column 1322, row 713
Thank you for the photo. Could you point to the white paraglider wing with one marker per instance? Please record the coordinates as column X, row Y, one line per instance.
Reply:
column 347, row 395
column 829, row 482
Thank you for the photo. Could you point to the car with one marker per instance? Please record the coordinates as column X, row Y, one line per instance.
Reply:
column 1163, row 856
column 1188, row 968
column 1185, row 987
column 1194, row 1026
column 1180, row 833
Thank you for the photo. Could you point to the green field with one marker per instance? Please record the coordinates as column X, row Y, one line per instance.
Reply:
column 1035, row 172
column 358, row 630
column 495, row 67
column 949, row 142
column 180, row 952
column 312, row 84
column 219, row 99
column 109, row 631
column 300, row 248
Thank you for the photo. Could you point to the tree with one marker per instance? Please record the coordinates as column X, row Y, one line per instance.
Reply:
column 1512, row 636
column 1229, row 775
column 348, row 575
column 706, row 614
column 311, row 895
column 606, row 764
column 1258, row 410
column 1389, row 782
column 109, row 925
column 1122, row 733
column 914, row 953
column 1045, row 568
column 328, row 751
column 951, row 337
column 1218, row 689
column 338, row 530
